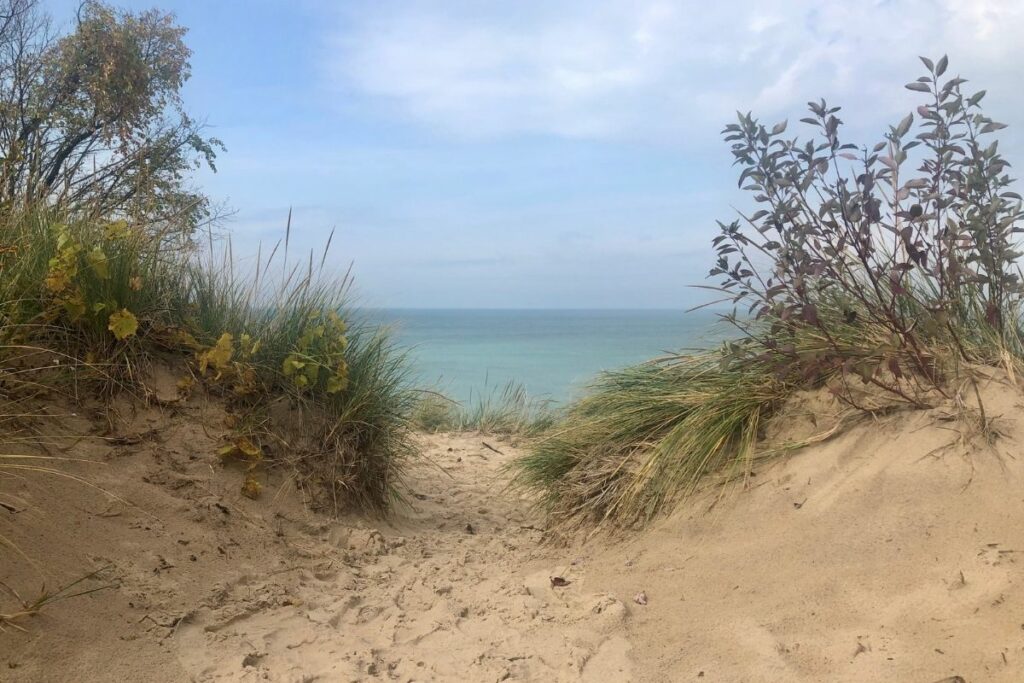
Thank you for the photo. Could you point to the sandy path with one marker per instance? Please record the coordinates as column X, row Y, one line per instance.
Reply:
column 453, row 589
column 211, row 586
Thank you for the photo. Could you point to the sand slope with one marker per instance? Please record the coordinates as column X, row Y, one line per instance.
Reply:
column 215, row 587
column 881, row 555
column 893, row 552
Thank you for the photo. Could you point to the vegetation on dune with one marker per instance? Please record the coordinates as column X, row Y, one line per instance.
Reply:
column 856, row 270
column 111, row 299
column 102, row 275
column 510, row 411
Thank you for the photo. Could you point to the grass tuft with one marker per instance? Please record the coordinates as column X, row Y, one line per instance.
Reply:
column 646, row 435
column 509, row 411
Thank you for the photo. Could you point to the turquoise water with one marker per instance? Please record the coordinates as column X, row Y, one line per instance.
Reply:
column 553, row 353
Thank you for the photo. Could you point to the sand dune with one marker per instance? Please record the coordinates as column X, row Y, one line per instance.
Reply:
column 891, row 552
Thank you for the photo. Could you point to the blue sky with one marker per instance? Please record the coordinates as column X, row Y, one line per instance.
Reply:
column 541, row 154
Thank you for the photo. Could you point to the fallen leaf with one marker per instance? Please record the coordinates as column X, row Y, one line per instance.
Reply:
column 251, row 488
column 123, row 324
column 640, row 598
column 559, row 582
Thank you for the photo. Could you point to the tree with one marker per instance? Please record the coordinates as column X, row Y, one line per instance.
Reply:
column 93, row 120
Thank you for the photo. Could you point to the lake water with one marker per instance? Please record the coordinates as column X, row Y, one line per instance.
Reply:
column 553, row 353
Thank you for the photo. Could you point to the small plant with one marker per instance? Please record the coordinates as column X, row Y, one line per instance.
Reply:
column 318, row 360
column 510, row 412
column 436, row 413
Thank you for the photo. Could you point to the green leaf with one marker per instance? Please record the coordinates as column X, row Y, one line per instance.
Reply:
column 123, row 324
column 992, row 126
column 918, row 87
column 940, row 67
column 291, row 365
column 904, row 125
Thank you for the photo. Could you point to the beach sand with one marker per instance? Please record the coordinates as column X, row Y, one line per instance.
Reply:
column 892, row 552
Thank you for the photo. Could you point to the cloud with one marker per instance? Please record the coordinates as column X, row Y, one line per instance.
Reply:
column 651, row 70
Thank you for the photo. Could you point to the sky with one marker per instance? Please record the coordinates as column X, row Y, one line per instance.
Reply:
column 538, row 154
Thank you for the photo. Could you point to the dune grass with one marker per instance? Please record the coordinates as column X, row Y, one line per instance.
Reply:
column 505, row 411
column 644, row 436
column 104, row 300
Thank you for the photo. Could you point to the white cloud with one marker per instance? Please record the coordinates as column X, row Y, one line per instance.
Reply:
column 655, row 70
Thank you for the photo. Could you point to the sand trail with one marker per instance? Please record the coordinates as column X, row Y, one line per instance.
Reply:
column 207, row 585
column 454, row 588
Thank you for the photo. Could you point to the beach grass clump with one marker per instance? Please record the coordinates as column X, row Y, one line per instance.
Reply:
column 510, row 411
column 103, row 300
column 507, row 411
column 885, row 271
column 434, row 412
column 646, row 435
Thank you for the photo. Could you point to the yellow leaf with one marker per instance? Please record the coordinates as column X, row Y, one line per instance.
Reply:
column 336, row 383
column 57, row 281
column 135, row 283
column 312, row 371
column 75, row 306
column 241, row 448
column 251, row 488
column 249, row 448
column 98, row 262
column 116, row 230
column 219, row 356
column 247, row 345
column 291, row 365
column 123, row 324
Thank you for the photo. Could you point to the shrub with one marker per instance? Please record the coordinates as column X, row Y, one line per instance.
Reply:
column 924, row 259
